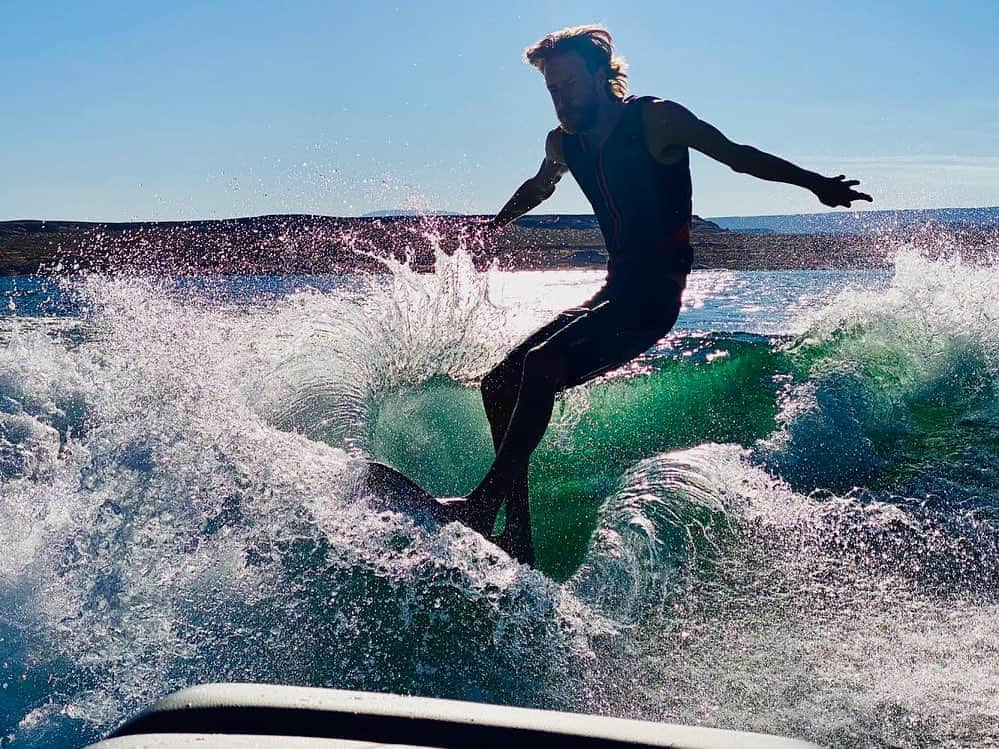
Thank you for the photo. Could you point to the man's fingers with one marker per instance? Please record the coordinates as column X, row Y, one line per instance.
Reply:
column 839, row 192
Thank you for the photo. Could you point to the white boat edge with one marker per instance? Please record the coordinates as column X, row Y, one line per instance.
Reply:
column 285, row 717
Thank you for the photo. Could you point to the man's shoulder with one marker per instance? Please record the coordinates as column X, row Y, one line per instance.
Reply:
column 653, row 106
column 662, row 117
column 667, row 125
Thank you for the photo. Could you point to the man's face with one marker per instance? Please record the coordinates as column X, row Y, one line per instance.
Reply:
column 575, row 91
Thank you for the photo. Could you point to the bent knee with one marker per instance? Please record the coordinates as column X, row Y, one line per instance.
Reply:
column 497, row 378
column 546, row 365
column 500, row 384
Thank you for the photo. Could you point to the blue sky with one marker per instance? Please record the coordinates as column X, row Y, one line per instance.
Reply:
column 133, row 111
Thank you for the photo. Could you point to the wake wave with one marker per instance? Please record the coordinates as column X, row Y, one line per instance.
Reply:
column 891, row 385
column 732, row 517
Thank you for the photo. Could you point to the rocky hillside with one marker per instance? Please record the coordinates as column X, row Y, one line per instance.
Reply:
column 326, row 244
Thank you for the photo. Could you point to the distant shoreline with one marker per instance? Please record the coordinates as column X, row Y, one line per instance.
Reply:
column 294, row 243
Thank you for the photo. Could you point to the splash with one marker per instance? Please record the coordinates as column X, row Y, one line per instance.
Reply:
column 351, row 349
column 168, row 532
column 179, row 504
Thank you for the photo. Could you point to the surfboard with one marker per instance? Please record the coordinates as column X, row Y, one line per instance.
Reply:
column 395, row 491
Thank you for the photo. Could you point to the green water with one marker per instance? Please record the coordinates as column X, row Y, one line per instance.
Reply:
column 717, row 390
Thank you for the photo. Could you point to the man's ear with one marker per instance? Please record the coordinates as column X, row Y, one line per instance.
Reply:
column 604, row 75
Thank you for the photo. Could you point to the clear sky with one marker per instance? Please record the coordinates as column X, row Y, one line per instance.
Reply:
column 132, row 111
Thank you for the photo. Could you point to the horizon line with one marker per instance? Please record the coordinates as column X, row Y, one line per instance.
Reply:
column 393, row 213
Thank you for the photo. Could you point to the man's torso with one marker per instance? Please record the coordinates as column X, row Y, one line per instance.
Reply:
column 642, row 201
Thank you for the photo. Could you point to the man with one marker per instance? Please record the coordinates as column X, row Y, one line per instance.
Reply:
column 629, row 156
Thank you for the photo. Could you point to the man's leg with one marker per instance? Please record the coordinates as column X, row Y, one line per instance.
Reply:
column 500, row 389
column 581, row 344
column 544, row 372
column 499, row 397
column 599, row 339
column 516, row 538
column 543, row 376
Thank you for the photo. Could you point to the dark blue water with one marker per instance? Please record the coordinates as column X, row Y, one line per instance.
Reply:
column 861, row 222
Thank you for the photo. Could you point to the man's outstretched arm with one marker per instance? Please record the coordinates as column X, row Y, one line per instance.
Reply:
column 538, row 188
column 667, row 124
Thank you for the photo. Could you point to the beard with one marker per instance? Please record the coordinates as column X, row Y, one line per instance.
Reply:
column 578, row 119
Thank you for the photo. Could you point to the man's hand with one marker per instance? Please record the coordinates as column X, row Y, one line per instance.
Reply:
column 490, row 226
column 476, row 235
column 838, row 191
column 481, row 230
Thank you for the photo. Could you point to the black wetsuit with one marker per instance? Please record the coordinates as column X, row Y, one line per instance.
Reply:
column 643, row 207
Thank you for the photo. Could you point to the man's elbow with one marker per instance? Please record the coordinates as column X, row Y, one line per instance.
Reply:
column 742, row 159
column 539, row 189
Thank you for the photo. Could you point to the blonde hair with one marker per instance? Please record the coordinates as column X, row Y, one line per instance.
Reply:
column 593, row 43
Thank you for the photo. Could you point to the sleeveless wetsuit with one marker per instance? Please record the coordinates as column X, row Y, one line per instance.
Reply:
column 644, row 209
column 643, row 206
